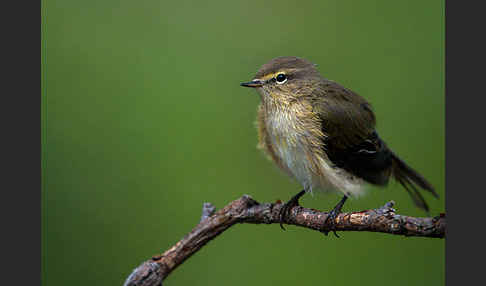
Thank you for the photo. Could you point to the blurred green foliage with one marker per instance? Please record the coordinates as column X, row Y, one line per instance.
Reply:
column 143, row 120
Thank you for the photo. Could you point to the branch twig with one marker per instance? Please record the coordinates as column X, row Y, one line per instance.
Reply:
column 247, row 210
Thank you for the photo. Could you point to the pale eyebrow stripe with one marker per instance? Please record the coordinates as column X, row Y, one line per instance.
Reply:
column 272, row 75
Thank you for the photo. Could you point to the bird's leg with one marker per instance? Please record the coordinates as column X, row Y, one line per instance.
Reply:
column 284, row 211
column 331, row 218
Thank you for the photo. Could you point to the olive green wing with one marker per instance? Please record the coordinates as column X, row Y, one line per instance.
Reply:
column 350, row 141
column 346, row 117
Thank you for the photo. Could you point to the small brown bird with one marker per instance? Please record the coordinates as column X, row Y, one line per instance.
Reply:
column 323, row 135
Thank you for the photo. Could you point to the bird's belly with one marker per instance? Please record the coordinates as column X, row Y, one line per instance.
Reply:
column 296, row 159
column 309, row 168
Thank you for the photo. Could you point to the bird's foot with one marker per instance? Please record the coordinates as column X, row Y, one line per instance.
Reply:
column 284, row 211
column 331, row 222
column 331, row 217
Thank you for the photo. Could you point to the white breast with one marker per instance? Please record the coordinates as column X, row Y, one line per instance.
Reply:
column 291, row 146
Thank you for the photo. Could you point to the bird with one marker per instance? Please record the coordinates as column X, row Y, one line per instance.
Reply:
column 323, row 135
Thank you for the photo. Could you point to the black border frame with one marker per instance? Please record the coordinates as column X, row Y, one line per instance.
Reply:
column 21, row 208
column 464, row 125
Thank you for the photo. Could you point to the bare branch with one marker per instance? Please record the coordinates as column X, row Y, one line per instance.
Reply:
column 208, row 210
column 247, row 210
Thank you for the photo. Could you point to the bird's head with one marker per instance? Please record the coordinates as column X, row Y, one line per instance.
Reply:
column 284, row 79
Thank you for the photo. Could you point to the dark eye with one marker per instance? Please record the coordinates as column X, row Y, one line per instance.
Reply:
column 281, row 78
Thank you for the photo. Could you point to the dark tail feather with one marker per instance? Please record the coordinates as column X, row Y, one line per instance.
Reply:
column 410, row 179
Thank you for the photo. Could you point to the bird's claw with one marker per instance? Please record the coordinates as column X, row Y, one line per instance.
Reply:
column 285, row 210
column 331, row 217
column 283, row 213
column 331, row 222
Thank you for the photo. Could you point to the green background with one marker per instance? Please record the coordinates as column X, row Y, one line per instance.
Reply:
column 143, row 120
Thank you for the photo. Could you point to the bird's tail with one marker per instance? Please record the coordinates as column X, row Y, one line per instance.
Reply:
column 410, row 179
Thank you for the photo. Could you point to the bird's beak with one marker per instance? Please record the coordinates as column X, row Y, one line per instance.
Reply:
column 254, row 83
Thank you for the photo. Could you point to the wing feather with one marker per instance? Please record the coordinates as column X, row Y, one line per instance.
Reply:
column 351, row 142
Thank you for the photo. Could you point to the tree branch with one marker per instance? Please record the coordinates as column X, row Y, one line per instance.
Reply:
column 247, row 210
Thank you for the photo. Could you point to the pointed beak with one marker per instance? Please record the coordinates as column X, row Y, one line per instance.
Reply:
column 254, row 83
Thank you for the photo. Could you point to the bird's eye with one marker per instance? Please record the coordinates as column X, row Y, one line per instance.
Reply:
column 281, row 78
